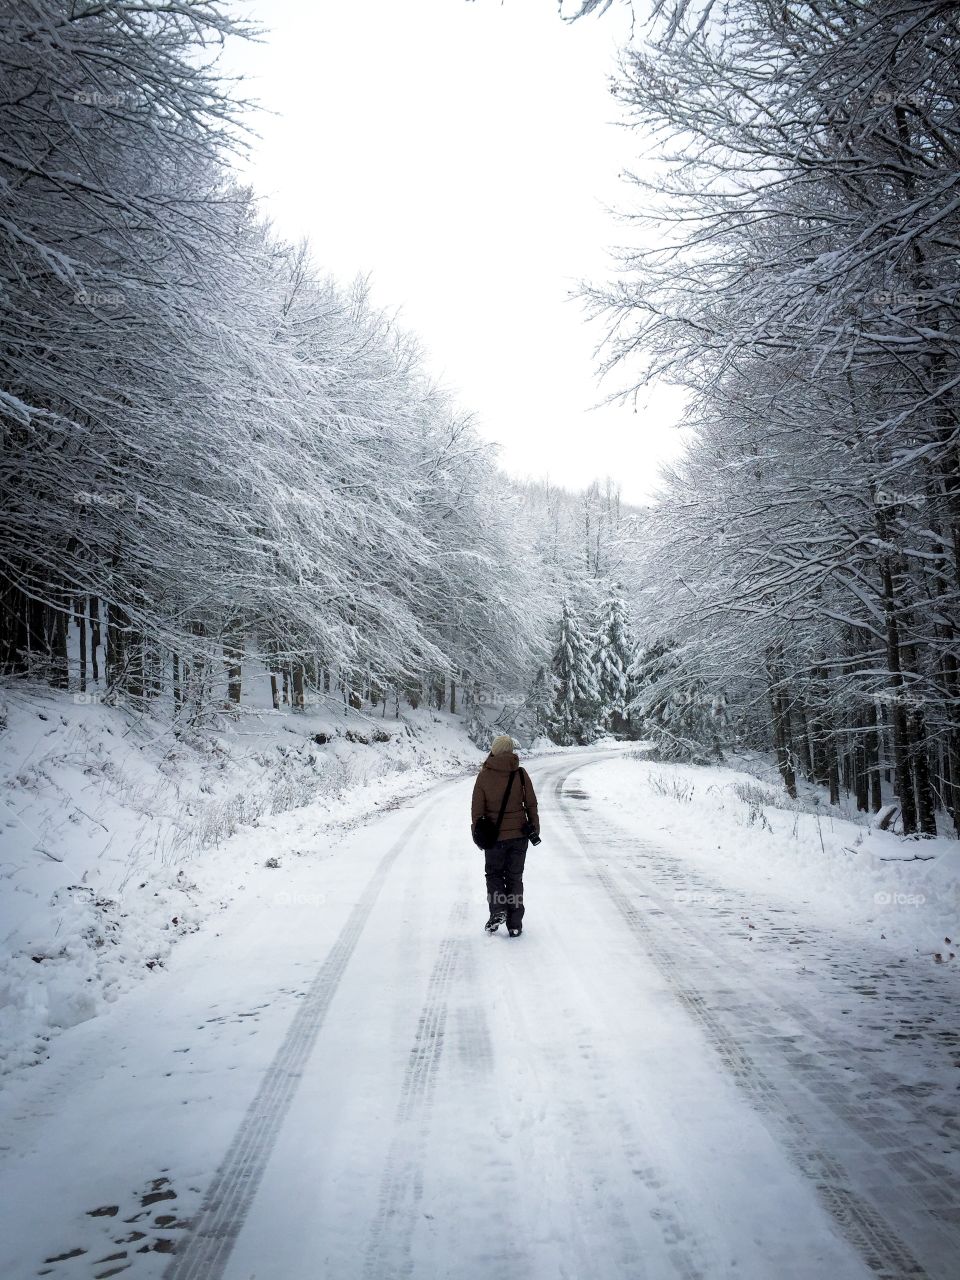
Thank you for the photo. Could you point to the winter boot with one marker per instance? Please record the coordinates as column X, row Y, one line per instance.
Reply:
column 515, row 932
column 496, row 920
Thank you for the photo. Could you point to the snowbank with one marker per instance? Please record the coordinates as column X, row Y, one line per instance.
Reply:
column 116, row 836
column 744, row 833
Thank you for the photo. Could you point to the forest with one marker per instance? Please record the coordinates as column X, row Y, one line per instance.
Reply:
column 217, row 460
column 804, row 562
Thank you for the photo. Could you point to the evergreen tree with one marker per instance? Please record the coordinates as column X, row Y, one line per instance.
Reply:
column 574, row 715
column 540, row 700
column 674, row 707
column 612, row 655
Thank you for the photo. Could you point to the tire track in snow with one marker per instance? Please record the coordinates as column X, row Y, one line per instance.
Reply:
column 921, row 1192
column 205, row 1252
column 401, row 1187
column 669, row 875
column 581, row 1123
column 578, row 1083
column 864, row 1226
column 473, row 1040
column 833, row 1047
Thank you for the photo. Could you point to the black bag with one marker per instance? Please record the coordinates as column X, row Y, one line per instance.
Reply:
column 485, row 831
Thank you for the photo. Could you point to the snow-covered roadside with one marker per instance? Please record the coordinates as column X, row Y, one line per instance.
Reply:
column 739, row 832
column 117, row 838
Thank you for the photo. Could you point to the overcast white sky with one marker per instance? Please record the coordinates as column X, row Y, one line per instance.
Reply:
column 464, row 155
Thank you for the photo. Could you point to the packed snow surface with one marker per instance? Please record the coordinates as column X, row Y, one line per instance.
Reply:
column 115, row 833
column 713, row 1052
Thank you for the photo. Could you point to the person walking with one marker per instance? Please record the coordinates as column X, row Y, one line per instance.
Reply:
column 503, row 818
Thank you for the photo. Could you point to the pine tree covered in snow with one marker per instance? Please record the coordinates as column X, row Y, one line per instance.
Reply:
column 673, row 706
column 612, row 656
column 540, row 700
column 574, row 715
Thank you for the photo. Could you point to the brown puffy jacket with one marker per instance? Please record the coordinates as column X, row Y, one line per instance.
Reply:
column 488, row 796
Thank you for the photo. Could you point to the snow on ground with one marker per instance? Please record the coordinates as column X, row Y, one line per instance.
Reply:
column 674, row 1073
column 115, row 834
column 710, row 1056
column 727, row 825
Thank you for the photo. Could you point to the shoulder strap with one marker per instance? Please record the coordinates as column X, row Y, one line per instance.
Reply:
column 523, row 790
column 503, row 802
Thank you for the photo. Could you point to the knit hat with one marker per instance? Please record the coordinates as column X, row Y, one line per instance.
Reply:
column 501, row 745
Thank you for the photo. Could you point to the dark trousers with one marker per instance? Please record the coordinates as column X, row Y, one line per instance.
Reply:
column 505, row 879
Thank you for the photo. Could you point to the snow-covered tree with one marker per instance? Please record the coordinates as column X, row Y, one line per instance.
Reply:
column 805, row 546
column 209, row 448
column 673, row 707
column 575, row 705
column 612, row 656
column 541, row 699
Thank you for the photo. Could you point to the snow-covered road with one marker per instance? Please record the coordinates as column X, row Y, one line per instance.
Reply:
column 351, row 1079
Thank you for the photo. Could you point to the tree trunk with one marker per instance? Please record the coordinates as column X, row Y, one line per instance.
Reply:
column 872, row 756
column 803, row 741
column 925, row 796
column 233, row 656
column 115, row 640
column 159, row 665
column 833, row 778
column 821, row 729
column 861, row 780
column 16, row 614
column 779, row 716
column 94, row 637
column 197, row 675
column 59, row 664
column 299, row 700
column 81, row 615
column 136, row 674
column 898, row 715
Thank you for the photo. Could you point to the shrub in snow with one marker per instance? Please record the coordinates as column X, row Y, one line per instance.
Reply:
column 672, row 787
